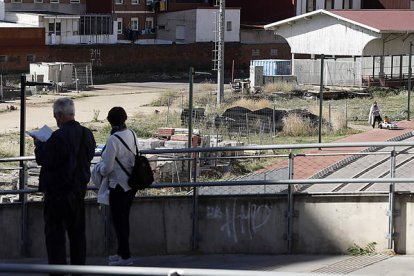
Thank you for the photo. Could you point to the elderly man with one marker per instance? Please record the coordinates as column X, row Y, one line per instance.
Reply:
column 65, row 159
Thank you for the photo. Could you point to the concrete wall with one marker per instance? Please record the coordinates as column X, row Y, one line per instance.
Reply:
column 207, row 25
column 258, row 225
column 197, row 25
column 24, row 18
column 260, row 37
column 2, row 11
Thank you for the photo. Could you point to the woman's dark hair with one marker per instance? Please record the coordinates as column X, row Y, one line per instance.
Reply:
column 117, row 116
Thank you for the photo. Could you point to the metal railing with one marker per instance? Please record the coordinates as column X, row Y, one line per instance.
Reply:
column 345, row 153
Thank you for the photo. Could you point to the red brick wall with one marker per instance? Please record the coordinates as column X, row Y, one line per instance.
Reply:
column 263, row 11
column 22, row 37
column 99, row 6
column 396, row 4
column 125, row 58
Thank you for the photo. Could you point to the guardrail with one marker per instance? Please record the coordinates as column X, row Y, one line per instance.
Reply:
column 293, row 161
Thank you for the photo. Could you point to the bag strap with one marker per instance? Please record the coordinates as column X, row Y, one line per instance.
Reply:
column 80, row 147
column 125, row 144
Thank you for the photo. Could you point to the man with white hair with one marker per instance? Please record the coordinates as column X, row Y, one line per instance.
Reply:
column 65, row 159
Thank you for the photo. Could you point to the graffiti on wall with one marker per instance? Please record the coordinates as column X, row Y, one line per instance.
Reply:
column 96, row 57
column 239, row 220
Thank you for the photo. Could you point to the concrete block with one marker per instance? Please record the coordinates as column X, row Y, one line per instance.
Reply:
column 150, row 143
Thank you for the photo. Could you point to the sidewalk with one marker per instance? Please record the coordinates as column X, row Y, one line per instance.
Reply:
column 321, row 162
column 398, row 265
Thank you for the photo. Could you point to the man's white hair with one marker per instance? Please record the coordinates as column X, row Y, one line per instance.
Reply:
column 64, row 106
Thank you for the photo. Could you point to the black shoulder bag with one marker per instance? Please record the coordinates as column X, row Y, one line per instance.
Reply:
column 142, row 175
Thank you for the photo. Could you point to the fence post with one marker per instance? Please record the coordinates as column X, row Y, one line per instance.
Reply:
column 290, row 210
column 346, row 115
column 390, row 212
column 330, row 116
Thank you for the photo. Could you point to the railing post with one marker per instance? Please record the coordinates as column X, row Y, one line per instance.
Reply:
column 290, row 210
column 22, row 165
column 390, row 212
column 23, row 198
column 195, row 203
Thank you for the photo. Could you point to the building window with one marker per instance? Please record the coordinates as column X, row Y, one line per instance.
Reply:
column 54, row 1
column 119, row 21
column 16, row 1
column 149, row 23
column 75, row 27
column 3, row 58
column 255, row 52
column 74, row 1
column 134, row 2
column 94, row 25
column 228, row 26
column 119, row 2
column 347, row 4
column 329, row 4
column 31, row 58
column 273, row 52
column 310, row 5
column 38, row 1
column 54, row 28
column 134, row 24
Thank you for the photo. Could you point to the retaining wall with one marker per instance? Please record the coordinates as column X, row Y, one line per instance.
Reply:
column 243, row 224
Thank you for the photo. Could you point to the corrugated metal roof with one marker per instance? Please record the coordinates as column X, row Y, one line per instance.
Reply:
column 384, row 20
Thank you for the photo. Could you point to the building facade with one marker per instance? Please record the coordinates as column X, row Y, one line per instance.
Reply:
column 64, row 21
column 263, row 11
column 197, row 25
column 304, row 6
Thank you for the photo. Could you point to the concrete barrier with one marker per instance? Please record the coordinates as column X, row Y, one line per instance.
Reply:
column 237, row 224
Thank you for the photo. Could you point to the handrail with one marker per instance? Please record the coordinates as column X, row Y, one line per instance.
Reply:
column 276, row 147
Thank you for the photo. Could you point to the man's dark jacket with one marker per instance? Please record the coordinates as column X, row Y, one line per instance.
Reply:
column 65, row 159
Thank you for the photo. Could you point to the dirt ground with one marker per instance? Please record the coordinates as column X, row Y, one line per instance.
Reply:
column 132, row 96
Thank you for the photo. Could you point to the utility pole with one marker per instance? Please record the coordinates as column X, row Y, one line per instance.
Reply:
column 220, row 54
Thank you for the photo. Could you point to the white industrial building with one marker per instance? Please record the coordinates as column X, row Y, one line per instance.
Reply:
column 379, row 37
column 69, row 28
column 52, row 72
column 197, row 25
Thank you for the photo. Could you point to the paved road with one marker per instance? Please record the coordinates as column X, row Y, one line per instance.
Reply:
column 134, row 97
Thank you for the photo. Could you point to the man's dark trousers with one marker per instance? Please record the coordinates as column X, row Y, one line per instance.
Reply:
column 65, row 212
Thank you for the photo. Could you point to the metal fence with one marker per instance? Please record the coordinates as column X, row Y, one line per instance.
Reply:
column 335, row 168
column 357, row 71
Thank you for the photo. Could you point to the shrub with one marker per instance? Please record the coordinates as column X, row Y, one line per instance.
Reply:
column 356, row 250
column 295, row 125
column 251, row 104
column 281, row 86
column 166, row 99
